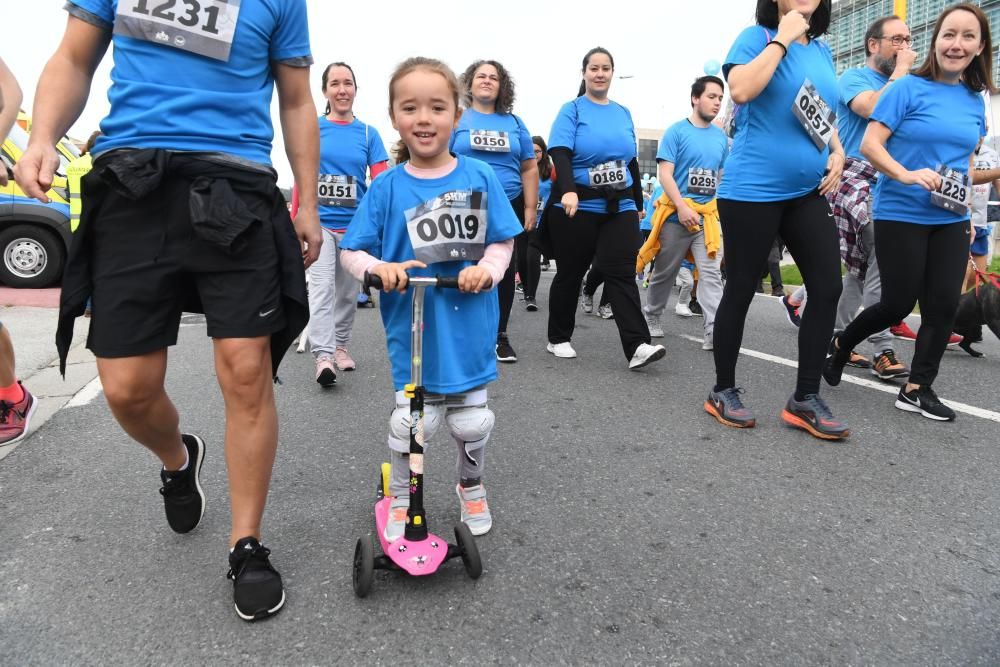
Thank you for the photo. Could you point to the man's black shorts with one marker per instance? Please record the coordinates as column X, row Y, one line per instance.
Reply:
column 148, row 265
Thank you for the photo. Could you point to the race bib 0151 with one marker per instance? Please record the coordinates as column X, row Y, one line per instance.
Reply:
column 334, row 190
column 449, row 228
column 205, row 27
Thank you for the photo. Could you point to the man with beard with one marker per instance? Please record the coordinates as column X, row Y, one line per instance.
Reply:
column 686, row 222
column 887, row 44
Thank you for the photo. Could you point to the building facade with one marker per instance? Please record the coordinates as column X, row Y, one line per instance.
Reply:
column 851, row 19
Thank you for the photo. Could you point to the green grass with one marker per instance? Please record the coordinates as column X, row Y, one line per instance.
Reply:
column 790, row 275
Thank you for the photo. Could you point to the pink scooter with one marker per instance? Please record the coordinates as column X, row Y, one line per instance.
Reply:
column 418, row 552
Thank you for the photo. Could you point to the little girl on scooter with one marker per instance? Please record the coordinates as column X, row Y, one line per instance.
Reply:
column 436, row 214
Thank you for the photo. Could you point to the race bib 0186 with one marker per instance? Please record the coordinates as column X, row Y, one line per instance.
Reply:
column 608, row 173
column 954, row 191
column 489, row 140
column 702, row 181
column 449, row 228
column 205, row 27
column 815, row 115
column 334, row 190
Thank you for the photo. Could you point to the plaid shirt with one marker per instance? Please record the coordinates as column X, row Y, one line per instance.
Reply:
column 851, row 206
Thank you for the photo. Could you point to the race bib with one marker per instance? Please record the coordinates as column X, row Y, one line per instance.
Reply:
column 333, row 190
column 953, row 193
column 449, row 228
column 702, row 181
column 489, row 140
column 609, row 173
column 205, row 27
column 816, row 117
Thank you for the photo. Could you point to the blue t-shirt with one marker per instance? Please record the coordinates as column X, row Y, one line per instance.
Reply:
column 502, row 141
column 460, row 329
column 931, row 123
column 345, row 150
column 850, row 125
column 689, row 147
column 544, row 190
column 772, row 157
column 596, row 134
column 649, row 208
column 164, row 95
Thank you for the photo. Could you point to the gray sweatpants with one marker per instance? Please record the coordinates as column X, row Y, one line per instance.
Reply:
column 675, row 241
column 864, row 293
column 333, row 298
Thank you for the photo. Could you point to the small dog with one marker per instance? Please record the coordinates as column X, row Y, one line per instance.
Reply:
column 979, row 306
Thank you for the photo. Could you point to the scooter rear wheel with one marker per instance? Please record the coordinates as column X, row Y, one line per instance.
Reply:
column 470, row 552
column 364, row 567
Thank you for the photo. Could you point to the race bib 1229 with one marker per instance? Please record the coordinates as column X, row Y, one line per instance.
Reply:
column 205, row 27
column 954, row 191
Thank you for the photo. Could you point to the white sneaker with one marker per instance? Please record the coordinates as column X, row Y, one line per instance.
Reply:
column 605, row 312
column 588, row 304
column 475, row 512
column 655, row 330
column 709, row 343
column 683, row 310
column 562, row 350
column 396, row 525
column 646, row 354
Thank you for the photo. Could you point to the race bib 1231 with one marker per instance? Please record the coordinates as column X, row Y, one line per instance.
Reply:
column 205, row 27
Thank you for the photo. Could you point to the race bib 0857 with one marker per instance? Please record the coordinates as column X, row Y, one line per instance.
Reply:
column 815, row 115
column 449, row 228
column 205, row 27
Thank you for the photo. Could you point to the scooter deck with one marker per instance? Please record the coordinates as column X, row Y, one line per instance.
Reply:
column 416, row 558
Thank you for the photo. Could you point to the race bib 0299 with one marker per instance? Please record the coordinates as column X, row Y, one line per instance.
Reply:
column 491, row 141
column 334, row 190
column 954, row 191
column 205, row 27
column 815, row 115
column 449, row 228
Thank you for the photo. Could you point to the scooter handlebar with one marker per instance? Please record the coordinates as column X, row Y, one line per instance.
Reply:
column 372, row 280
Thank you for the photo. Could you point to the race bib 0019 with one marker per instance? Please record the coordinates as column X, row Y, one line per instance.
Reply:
column 702, row 181
column 953, row 193
column 815, row 115
column 334, row 190
column 205, row 27
column 492, row 141
column 608, row 173
column 449, row 228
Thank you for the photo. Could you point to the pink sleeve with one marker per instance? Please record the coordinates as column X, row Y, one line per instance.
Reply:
column 378, row 168
column 496, row 258
column 294, row 211
column 358, row 262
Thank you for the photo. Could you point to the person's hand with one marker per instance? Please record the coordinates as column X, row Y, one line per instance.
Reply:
column 834, row 170
column 393, row 274
column 793, row 25
column 688, row 217
column 474, row 279
column 925, row 178
column 309, row 233
column 530, row 218
column 570, row 202
column 905, row 58
column 36, row 169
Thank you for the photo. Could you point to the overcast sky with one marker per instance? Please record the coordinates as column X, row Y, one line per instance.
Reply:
column 660, row 46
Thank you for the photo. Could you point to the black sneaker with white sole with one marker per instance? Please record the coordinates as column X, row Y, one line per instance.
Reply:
column 505, row 352
column 257, row 588
column 183, row 498
column 925, row 401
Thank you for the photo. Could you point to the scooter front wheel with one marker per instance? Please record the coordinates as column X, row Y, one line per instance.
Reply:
column 470, row 552
column 364, row 567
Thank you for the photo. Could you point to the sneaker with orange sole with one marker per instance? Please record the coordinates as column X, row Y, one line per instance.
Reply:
column 814, row 416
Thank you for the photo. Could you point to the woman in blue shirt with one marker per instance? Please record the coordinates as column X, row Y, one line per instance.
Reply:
column 489, row 131
column 594, row 212
column 545, row 177
column 785, row 156
column 922, row 136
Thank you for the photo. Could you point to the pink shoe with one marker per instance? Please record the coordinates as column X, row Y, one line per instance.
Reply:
column 325, row 375
column 15, row 418
column 343, row 360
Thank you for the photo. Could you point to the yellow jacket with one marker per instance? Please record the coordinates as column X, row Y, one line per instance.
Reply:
column 664, row 208
column 75, row 172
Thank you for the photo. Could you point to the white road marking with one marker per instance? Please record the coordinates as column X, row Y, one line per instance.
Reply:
column 86, row 395
column 871, row 384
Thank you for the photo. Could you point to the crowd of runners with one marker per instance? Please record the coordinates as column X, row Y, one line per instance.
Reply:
column 181, row 211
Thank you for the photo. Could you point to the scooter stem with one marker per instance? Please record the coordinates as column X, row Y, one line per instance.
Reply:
column 416, row 519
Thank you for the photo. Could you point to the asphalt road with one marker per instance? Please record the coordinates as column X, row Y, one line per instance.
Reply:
column 630, row 528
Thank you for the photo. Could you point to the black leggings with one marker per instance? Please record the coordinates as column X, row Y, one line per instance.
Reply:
column 917, row 263
column 612, row 242
column 810, row 234
column 528, row 265
column 594, row 280
column 505, row 290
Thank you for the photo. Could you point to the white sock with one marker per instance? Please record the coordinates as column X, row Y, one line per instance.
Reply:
column 187, row 460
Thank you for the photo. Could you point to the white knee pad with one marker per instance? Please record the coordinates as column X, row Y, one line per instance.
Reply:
column 399, row 426
column 471, row 426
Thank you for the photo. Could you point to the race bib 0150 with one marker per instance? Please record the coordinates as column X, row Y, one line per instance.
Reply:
column 449, row 228
column 489, row 140
column 205, row 27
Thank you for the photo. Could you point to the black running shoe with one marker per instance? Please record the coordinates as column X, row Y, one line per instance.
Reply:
column 925, row 401
column 814, row 416
column 257, row 589
column 728, row 409
column 505, row 352
column 696, row 307
column 791, row 312
column 183, row 498
column 529, row 304
column 833, row 368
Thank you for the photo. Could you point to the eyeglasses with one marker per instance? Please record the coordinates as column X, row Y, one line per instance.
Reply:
column 898, row 40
